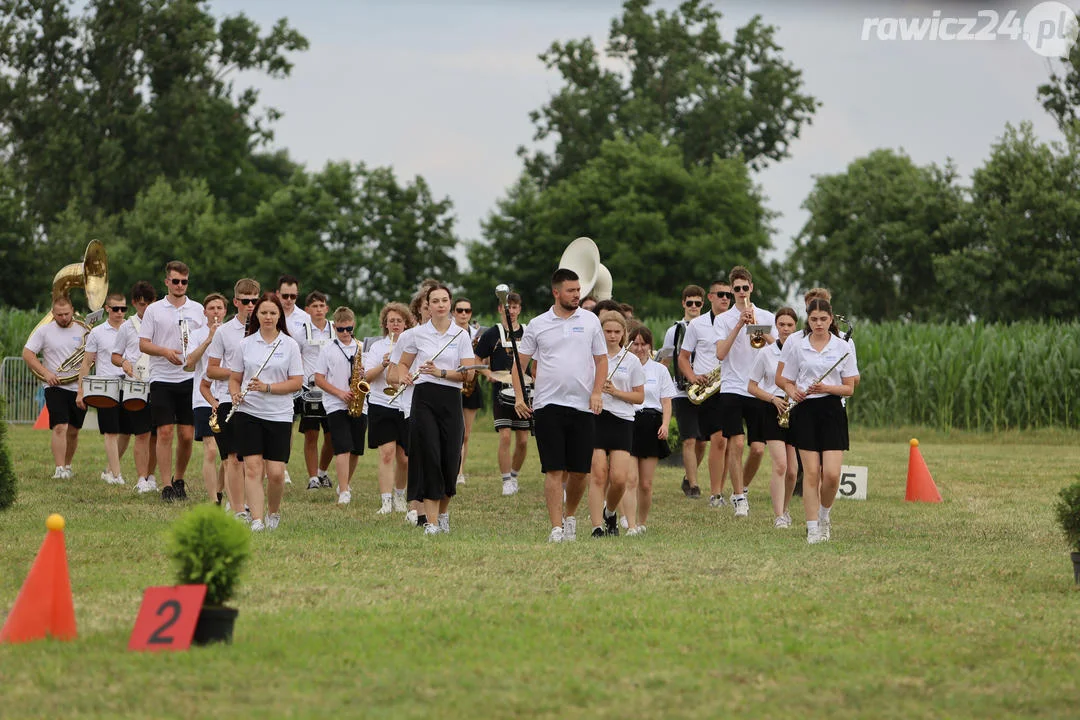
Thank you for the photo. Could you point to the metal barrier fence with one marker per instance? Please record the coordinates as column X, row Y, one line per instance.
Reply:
column 23, row 393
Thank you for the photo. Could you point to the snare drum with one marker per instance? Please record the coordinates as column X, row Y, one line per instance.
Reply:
column 506, row 396
column 101, row 391
column 136, row 393
column 312, row 403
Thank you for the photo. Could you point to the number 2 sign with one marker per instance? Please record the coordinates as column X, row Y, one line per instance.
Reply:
column 167, row 618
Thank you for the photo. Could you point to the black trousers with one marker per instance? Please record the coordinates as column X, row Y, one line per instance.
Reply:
column 436, row 431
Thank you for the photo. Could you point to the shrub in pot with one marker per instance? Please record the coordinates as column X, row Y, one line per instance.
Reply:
column 1068, row 517
column 209, row 548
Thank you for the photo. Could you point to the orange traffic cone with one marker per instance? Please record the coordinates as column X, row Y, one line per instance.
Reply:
column 44, row 606
column 42, row 422
column 920, row 485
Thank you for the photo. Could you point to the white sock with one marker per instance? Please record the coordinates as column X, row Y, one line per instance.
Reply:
column 823, row 513
column 514, row 474
column 399, row 493
column 608, row 513
column 740, row 496
column 444, row 516
column 385, row 497
column 811, row 524
column 507, row 476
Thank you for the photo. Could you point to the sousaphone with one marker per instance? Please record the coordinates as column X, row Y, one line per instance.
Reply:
column 583, row 257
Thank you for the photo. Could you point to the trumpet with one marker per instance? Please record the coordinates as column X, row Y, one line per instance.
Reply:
column 784, row 420
column 244, row 391
column 401, row 388
column 757, row 337
column 698, row 393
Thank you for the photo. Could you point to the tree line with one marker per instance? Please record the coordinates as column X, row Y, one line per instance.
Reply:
column 122, row 121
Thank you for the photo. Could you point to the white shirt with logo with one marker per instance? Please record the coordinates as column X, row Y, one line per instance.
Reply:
column 312, row 341
column 55, row 345
column 564, row 350
column 764, row 370
column 741, row 356
column 223, row 348
column 335, row 362
column 163, row 325
column 628, row 375
column 127, row 346
column 700, row 340
column 804, row 364
column 424, row 341
column 658, row 386
column 372, row 359
column 101, row 341
column 283, row 364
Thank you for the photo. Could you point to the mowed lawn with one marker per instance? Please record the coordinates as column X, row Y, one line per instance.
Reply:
column 963, row 609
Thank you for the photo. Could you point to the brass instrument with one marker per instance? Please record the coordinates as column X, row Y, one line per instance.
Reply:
column 468, row 385
column 785, row 417
column 757, row 337
column 389, row 389
column 698, row 393
column 212, row 422
column 401, row 388
column 92, row 275
column 244, row 390
column 358, row 386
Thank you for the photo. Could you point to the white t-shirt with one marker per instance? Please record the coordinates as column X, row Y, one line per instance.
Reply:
column 284, row 364
column 764, row 369
column 295, row 321
column 162, row 324
column 373, row 358
column 804, row 364
column 424, row 341
column 335, row 361
column 700, row 340
column 740, row 358
column 658, row 385
column 312, row 340
column 627, row 376
column 669, row 344
column 198, row 337
column 223, row 348
column 127, row 346
column 55, row 345
column 564, row 350
column 101, row 341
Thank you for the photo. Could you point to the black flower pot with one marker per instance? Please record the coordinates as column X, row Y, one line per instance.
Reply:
column 1076, row 566
column 215, row 625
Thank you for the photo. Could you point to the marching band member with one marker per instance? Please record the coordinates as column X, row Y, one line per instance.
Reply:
column 316, row 333
column 166, row 337
column 213, row 476
column 333, row 375
column 762, row 385
column 265, row 374
column 56, row 341
column 736, row 404
column 388, row 426
column 496, row 350
column 463, row 313
column 651, row 420
column 697, row 358
column 101, row 341
column 686, row 413
column 623, row 388
column 288, row 292
column 572, row 363
column 436, row 422
column 221, row 355
column 136, row 365
column 818, row 419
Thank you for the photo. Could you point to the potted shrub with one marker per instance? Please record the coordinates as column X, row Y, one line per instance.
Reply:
column 1068, row 516
column 209, row 548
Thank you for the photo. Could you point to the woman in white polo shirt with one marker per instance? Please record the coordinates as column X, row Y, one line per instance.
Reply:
column 436, row 423
column 264, row 414
column 762, row 385
column 819, row 419
column 625, row 387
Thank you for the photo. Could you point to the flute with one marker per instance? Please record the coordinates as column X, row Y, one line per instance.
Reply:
column 415, row 375
column 244, row 391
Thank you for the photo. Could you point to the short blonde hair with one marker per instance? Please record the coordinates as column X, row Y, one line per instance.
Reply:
column 343, row 314
column 614, row 316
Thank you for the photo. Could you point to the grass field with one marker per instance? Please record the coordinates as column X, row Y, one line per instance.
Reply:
column 965, row 609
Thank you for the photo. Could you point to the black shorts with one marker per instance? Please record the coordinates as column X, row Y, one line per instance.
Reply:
column 565, row 438
column 255, row 436
column 226, row 439
column 62, row 408
column 646, row 443
column 387, row 425
column 136, row 422
column 311, row 418
column 346, row 432
column 613, row 433
column 686, row 417
column 504, row 415
column 202, row 422
column 766, row 427
column 108, row 420
column 734, row 409
column 820, row 424
column 170, row 403
column 710, row 417
column 474, row 401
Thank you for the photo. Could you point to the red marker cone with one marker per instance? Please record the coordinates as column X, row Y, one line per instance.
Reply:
column 920, row 485
column 44, row 606
column 42, row 422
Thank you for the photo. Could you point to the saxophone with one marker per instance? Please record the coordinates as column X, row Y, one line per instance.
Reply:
column 698, row 393
column 358, row 386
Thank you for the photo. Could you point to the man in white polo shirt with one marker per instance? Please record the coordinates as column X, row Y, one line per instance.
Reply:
column 56, row 341
column 136, row 365
column 571, row 357
column 99, row 345
column 686, row 413
column 165, row 336
column 288, row 292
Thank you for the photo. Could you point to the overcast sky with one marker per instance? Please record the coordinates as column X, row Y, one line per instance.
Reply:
column 443, row 89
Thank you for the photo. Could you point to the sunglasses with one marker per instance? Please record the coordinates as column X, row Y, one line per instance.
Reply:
column 247, row 301
column 119, row 308
column 741, row 288
column 347, row 329
column 178, row 281
column 289, row 296
column 722, row 294
column 694, row 303
column 463, row 310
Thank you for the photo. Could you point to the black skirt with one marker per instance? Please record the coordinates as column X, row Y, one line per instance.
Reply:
column 436, row 431
column 820, row 424
column 614, row 433
column 646, row 444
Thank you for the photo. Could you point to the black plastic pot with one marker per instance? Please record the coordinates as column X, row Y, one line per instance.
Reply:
column 215, row 625
column 1076, row 566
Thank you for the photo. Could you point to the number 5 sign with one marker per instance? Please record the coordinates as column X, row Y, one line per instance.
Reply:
column 167, row 618
column 852, row 482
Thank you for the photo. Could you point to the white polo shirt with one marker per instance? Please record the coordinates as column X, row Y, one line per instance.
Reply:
column 335, row 361
column 198, row 337
column 127, row 346
column 295, row 321
column 372, row 359
column 764, row 369
column 424, row 341
column 161, row 325
column 564, row 350
column 284, row 364
column 55, row 344
column 312, row 340
column 669, row 344
column 804, row 364
column 628, row 375
column 700, row 340
column 740, row 358
column 658, row 385
column 101, row 341
column 223, row 347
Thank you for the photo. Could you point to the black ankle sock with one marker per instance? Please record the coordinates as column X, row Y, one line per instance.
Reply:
column 421, row 519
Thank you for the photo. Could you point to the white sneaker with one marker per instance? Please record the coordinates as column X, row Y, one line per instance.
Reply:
column 410, row 518
column 313, row 483
column 826, row 528
column 716, row 501
column 569, row 529
column 444, row 524
column 399, row 503
column 273, row 520
column 742, row 508
column 58, row 473
column 557, row 535
column 257, row 525
column 815, row 536
column 152, row 481
column 118, row 480
column 639, row 530
column 624, row 523
column 460, row 479
column 68, row 473
column 787, row 517
column 344, row 497
column 324, row 479
column 430, row 529
column 509, row 488
column 386, row 508
column 146, row 485
column 244, row 517
column 106, row 476
column 781, row 523
column 288, row 480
